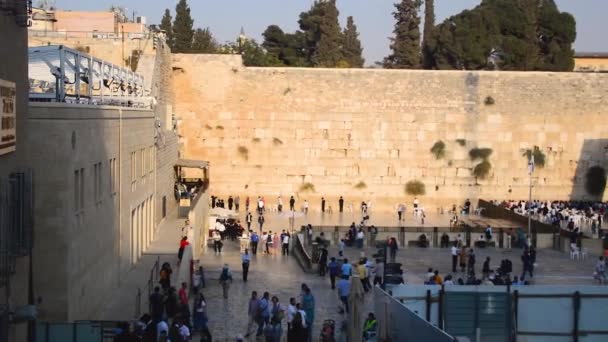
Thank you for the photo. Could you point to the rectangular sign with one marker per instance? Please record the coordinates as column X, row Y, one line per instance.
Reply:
column 8, row 117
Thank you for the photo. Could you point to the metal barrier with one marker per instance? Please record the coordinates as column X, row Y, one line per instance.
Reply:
column 88, row 34
column 299, row 251
column 79, row 331
column 152, row 279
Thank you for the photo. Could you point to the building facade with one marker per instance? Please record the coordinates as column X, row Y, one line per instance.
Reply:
column 14, row 266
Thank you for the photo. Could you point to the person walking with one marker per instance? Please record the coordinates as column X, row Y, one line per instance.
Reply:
column 291, row 312
column 157, row 304
column 165, row 276
column 308, row 305
column 373, row 233
column 379, row 272
column 471, row 262
column 217, row 242
column 528, row 265
column 261, row 221
column 323, row 261
column 252, row 313
column 322, row 204
column 249, row 220
column 454, row 252
column 254, row 242
column 344, row 291
column 392, row 246
column 360, row 238
column 285, row 242
column 225, row 280
column 463, row 258
column 292, row 203
column 341, row 204
column 230, row 202
column 600, row 270
column 334, row 271
column 263, row 314
column 297, row 330
column 274, row 330
column 237, row 201
column 485, row 269
column 246, row 258
column 200, row 319
column 276, row 244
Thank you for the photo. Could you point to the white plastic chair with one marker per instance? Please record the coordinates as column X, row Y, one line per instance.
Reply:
column 574, row 252
column 584, row 253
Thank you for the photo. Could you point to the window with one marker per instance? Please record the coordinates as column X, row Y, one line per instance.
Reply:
column 113, row 176
column 152, row 152
column 97, row 185
column 143, row 164
column 133, row 170
column 78, row 191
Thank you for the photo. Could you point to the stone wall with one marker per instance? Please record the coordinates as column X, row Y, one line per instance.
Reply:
column 266, row 131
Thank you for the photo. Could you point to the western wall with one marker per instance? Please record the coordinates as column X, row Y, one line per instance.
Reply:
column 364, row 133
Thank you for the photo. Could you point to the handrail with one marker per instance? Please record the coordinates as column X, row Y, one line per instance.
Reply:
column 302, row 256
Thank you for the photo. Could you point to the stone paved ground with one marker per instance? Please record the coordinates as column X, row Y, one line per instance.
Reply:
column 282, row 276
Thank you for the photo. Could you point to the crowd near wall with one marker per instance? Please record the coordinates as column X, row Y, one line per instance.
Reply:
column 364, row 134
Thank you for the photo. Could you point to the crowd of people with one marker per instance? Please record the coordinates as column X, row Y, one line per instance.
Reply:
column 574, row 216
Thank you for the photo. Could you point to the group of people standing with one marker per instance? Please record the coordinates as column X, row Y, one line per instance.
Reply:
column 267, row 316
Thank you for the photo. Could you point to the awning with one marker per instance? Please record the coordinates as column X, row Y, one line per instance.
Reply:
column 197, row 164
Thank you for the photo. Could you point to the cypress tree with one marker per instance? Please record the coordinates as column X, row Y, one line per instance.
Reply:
column 405, row 44
column 328, row 50
column 429, row 28
column 165, row 25
column 183, row 33
column 351, row 48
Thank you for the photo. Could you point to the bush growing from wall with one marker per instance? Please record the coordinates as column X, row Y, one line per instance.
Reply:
column 539, row 156
column 482, row 170
column 243, row 152
column 415, row 188
column 480, row 153
column 438, row 149
column 307, row 187
column 361, row 185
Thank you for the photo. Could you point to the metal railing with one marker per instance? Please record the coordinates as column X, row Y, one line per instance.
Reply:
column 60, row 74
column 89, row 34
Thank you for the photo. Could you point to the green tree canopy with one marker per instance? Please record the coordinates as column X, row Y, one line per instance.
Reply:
column 405, row 44
column 183, row 33
column 167, row 26
column 506, row 35
column 352, row 50
column 322, row 33
column 204, row 42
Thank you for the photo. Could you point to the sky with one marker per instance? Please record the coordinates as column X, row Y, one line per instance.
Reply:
column 372, row 17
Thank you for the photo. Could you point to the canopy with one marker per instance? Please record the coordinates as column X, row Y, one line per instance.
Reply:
column 198, row 164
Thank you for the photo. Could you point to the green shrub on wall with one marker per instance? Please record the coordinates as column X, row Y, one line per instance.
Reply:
column 256, row 140
column 307, row 187
column 438, row 149
column 415, row 188
column 539, row 156
column 243, row 152
column 595, row 181
column 482, row 170
column 361, row 185
column 277, row 141
column 461, row 142
column 480, row 153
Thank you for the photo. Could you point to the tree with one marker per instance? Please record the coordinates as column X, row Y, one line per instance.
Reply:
column 204, row 42
column 405, row 44
column 322, row 34
column 506, row 35
column 120, row 13
column 165, row 25
column 429, row 30
column 183, row 33
column 275, row 41
column 351, row 47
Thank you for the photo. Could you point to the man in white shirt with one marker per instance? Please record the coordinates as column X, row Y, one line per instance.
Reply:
column 454, row 252
column 285, row 243
column 302, row 313
column 291, row 311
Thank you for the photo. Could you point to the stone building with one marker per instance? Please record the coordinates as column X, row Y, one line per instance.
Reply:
column 14, row 261
column 106, row 180
column 591, row 62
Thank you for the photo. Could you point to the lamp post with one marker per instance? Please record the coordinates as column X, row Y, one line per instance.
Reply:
column 530, row 172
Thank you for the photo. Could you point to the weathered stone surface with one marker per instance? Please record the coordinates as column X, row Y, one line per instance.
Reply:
column 378, row 126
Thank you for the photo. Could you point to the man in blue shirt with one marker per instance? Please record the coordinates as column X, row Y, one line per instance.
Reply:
column 334, row 271
column 254, row 243
column 263, row 316
column 347, row 269
column 344, row 291
column 246, row 258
